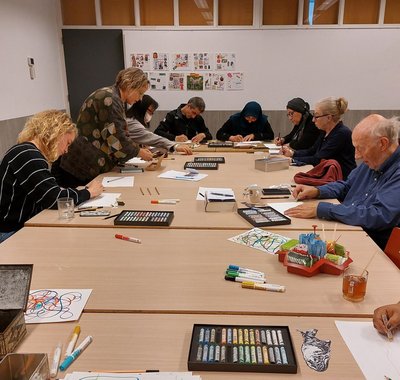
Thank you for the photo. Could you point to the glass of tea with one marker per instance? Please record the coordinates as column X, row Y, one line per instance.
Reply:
column 354, row 283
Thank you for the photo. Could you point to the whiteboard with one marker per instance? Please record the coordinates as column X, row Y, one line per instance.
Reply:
column 363, row 65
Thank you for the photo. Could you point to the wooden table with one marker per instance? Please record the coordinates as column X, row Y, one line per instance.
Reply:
column 177, row 271
column 148, row 341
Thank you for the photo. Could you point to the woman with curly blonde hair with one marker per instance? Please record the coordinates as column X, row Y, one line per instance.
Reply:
column 26, row 184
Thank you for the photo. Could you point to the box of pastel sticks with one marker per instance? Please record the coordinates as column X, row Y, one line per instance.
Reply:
column 241, row 348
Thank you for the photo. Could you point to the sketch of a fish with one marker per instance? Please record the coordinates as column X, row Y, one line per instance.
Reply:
column 316, row 352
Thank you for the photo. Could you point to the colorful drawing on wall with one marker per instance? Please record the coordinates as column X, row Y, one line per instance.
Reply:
column 180, row 61
column 176, row 81
column 202, row 61
column 234, row 81
column 141, row 60
column 160, row 61
column 55, row 305
column 194, row 82
column 214, row 81
column 225, row 61
column 262, row 240
column 158, row 81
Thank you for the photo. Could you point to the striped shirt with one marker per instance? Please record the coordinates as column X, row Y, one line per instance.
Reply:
column 27, row 187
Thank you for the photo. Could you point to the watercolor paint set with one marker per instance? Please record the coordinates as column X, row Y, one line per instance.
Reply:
column 144, row 218
column 263, row 216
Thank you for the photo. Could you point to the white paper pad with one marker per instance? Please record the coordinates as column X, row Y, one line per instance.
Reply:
column 173, row 174
column 103, row 200
column 377, row 357
column 138, row 162
column 55, row 305
column 132, row 376
column 283, row 206
column 262, row 240
column 247, row 143
column 118, row 181
column 219, row 190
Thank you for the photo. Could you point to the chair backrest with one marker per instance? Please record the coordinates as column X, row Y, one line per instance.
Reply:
column 392, row 248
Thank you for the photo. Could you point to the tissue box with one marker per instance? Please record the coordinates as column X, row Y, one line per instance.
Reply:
column 24, row 367
column 271, row 164
column 219, row 203
column 15, row 281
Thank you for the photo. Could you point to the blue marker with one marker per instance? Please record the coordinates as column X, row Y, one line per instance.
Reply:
column 240, row 269
column 71, row 358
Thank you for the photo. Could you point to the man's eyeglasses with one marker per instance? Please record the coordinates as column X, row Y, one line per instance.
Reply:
column 316, row 117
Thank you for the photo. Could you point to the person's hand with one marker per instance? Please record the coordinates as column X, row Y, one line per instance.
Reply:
column 301, row 192
column 304, row 211
column 145, row 154
column 279, row 140
column 286, row 151
column 95, row 188
column 183, row 149
column 237, row 138
column 181, row 138
column 393, row 315
column 198, row 138
column 249, row 137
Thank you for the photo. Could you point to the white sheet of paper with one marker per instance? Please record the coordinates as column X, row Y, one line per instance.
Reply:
column 247, row 143
column 55, row 305
column 220, row 190
column 173, row 174
column 118, row 181
column 103, row 200
column 133, row 376
column 283, row 206
column 137, row 161
column 272, row 146
column 374, row 353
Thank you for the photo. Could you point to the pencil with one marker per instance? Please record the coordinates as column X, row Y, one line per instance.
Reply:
column 148, row 190
column 141, row 191
column 111, row 216
column 157, row 191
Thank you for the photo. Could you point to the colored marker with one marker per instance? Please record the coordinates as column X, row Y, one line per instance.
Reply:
column 241, row 269
column 250, row 275
column 56, row 360
column 244, row 279
column 127, row 238
column 165, row 201
column 72, row 341
column 222, row 195
column 71, row 358
column 115, row 179
column 257, row 286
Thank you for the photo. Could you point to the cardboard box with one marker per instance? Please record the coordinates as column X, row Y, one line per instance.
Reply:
column 216, row 202
column 273, row 163
column 15, row 282
column 24, row 367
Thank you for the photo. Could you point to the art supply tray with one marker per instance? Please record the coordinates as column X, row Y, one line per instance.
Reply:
column 144, row 218
column 263, row 216
column 241, row 348
column 201, row 165
column 219, row 160
column 221, row 144
column 321, row 266
column 276, row 191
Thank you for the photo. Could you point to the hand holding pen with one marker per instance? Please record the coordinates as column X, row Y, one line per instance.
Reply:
column 386, row 319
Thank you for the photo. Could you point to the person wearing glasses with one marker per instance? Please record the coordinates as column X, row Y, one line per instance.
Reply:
column 370, row 195
column 185, row 123
column 304, row 133
column 138, row 119
column 248, row 125
column 103, row 142
column 335, row 143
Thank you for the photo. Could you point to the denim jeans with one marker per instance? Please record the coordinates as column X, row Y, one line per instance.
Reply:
column 5, row 235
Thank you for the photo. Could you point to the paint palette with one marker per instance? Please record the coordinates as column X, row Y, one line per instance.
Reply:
column 263, row 216
column 219, row 160
column 241, row 348
column 144, row 218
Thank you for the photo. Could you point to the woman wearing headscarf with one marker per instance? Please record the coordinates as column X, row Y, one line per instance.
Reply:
column 304, row 133
column 247, row 125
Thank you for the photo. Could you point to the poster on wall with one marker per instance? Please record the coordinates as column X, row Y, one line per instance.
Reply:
column 176, row 81
column 160, row 61
column 214, row 81
column 194, row 82
column 180, row 61
column 225, row 61
column 158, row 81
column 202, row 61
column 141, row 60
column 234, row 81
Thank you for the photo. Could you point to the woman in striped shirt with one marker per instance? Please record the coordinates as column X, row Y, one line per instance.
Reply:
column 26, row 184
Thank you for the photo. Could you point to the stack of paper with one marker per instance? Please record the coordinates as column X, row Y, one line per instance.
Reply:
column 103, row 200
column 183, row 176
column 131, row 376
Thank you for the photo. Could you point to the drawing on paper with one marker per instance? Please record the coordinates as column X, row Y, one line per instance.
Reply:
column 234, row 81
column 225, row 61
column 262, row 240
column 316, row 352
column 214, row 81
column 160, row 61
column 176, row 81
column 141, row 60
column 158, row 81
column 180, row 61
column 201, row 61
column 194, row 82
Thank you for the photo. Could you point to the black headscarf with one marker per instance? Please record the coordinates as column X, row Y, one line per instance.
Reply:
column 139, row 109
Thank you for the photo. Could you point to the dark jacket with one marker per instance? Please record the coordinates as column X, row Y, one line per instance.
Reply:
column 304, row 134
column 175, row 124
column 238, row 125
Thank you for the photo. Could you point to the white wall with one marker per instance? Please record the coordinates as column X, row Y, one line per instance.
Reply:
column 362, row 65
column 30, row 29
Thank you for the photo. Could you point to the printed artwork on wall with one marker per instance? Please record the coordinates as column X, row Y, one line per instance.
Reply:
column 234, row 81
column 202, row 61
column 180, row 61
column 158, row 81
column 214, row 81
column 160, row 61
column 225, row 61
column 194, row 82
column 176, row 81
column 141, row 60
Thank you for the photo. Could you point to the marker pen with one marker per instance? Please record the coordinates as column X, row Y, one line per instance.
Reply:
column 244, row 275
column 71, row 358
column 244, row 279
column 127, row 238
column 72, row 341
column 258, row 286
column 165, row 201
column 56, row 360
column 240, row 269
